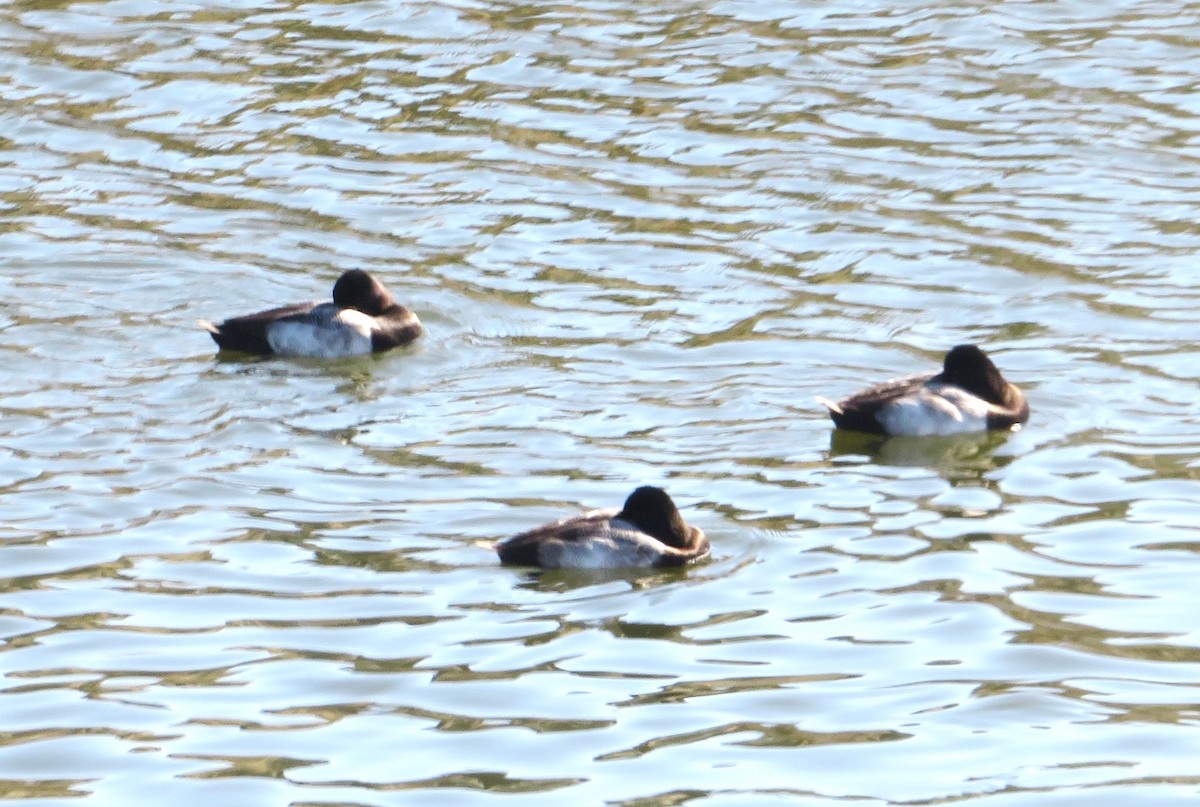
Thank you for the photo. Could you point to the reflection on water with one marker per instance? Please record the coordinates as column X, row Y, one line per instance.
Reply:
column 642, row 239
column 959, row 457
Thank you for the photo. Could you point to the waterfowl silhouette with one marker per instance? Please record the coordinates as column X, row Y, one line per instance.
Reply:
column 968, row 395
column 363, row 318
column 647, row 532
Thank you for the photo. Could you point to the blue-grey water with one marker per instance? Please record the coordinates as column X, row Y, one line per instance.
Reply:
column 643, row 237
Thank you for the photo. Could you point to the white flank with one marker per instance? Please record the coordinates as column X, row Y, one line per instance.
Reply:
column 615, row 544
column 935, row 410
column 326, row 334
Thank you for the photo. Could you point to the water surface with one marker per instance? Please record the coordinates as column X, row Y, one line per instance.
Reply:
column 643, row 237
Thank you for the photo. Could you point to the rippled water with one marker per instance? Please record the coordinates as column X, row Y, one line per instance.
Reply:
column 642, row 237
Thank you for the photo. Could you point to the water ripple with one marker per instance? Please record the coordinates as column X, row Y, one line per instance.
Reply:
column 642, row 239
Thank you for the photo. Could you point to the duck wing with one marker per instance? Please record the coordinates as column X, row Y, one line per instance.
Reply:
column 860, row 412
column 249, row 333
column 394, row 328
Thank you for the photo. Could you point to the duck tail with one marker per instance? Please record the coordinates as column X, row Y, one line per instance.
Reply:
column 832, row 406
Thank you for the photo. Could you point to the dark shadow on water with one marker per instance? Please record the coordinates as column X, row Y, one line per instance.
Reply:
column 562, row 580
column 356, row 376
column 958, row 457
column 334, row 366
column 237, row 357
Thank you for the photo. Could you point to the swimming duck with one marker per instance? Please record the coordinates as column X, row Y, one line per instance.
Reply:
column 968, row 395
column 363, row 318
column 647, row 532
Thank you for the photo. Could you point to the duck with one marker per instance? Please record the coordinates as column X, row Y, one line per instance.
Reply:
column 363, row 318
column 647, row 532
column 968, row 395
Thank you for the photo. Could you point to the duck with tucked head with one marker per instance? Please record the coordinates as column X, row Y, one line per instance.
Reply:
column 363, row 318
column 968, row 395
column 647, row 532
